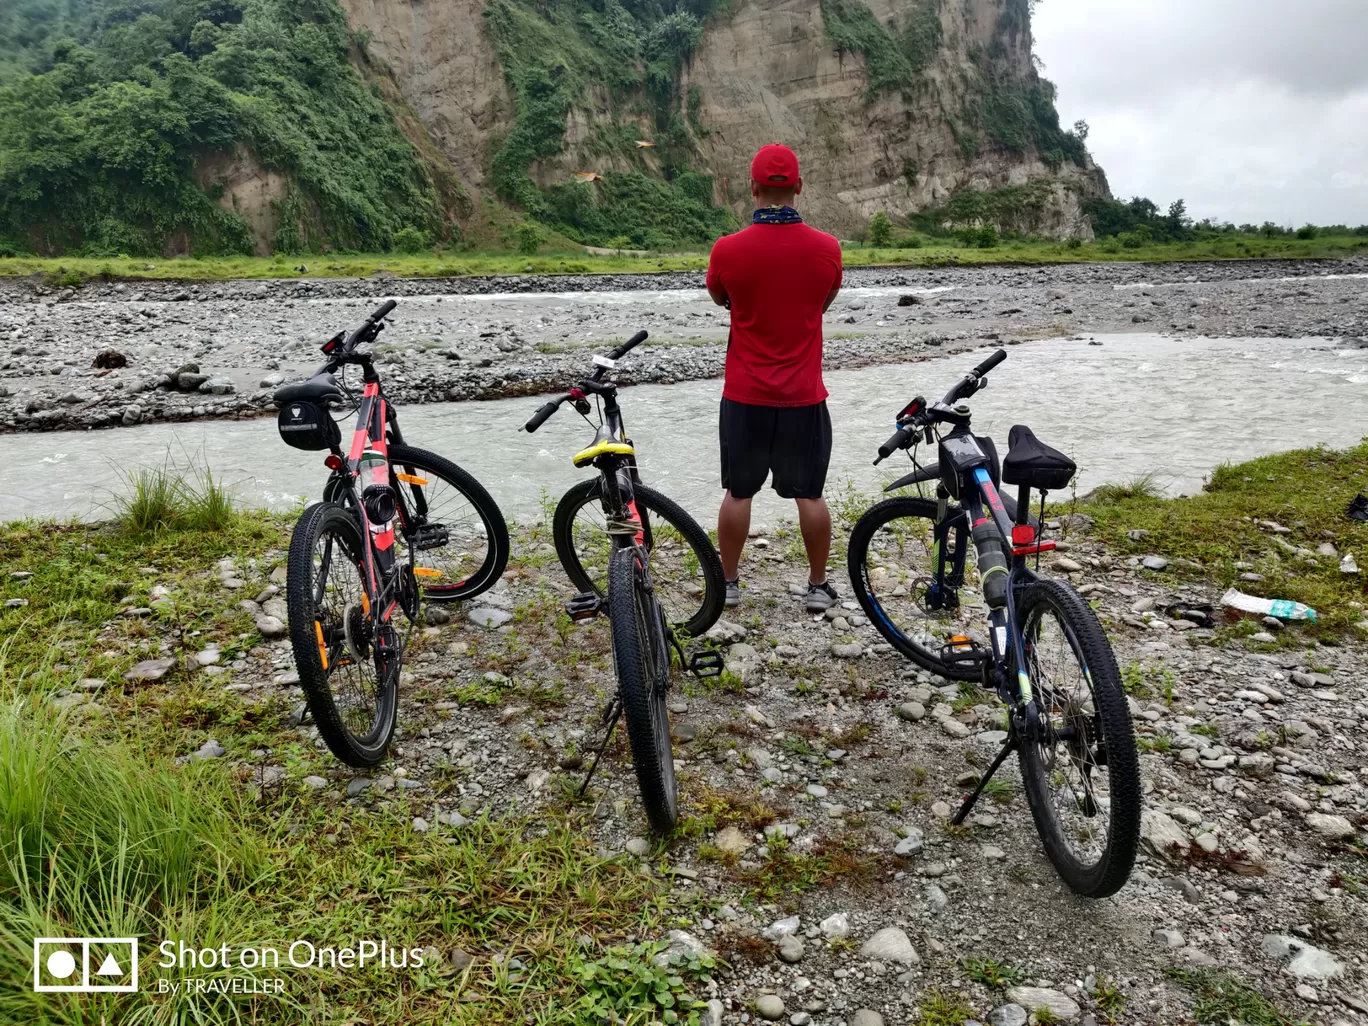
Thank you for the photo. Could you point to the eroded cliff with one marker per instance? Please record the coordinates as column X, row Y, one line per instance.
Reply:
column 904, row 106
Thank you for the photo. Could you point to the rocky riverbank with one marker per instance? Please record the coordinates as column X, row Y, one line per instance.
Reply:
column 817, row 777
column 120, row 354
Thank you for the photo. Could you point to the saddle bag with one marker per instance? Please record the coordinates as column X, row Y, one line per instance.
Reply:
column 308, row 425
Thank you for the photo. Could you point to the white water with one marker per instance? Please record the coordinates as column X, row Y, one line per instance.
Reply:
column 1137, row 403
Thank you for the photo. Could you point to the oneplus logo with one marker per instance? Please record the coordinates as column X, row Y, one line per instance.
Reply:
column 85, row 965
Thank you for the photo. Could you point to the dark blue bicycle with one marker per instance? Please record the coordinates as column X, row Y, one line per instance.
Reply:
column 1043, row 651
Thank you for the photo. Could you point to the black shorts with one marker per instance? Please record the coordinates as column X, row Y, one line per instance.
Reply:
column 792, row 441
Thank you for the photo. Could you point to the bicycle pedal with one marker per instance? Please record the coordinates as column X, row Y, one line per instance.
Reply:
column 431, row 536
column 962, row 651
column 584, row 606
column 706, row 664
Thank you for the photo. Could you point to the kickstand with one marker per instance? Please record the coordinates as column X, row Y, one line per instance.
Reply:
column 1008, row 746
column 611, row 713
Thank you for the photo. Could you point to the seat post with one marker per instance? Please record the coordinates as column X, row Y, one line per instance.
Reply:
column 1023, row 505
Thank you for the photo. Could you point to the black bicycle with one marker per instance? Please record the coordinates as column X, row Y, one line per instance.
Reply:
column 396, row 525
column 641, row 559
column 1046, row 655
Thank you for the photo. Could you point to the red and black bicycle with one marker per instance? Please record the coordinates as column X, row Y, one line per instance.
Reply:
column 396, row 525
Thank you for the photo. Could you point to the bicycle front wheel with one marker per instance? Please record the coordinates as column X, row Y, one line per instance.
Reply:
column 351, row 684
column 1082, row 774
column 685, row 567
column 642, row 660
column 892, row 562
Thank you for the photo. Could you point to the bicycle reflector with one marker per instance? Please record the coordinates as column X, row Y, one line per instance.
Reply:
column 334, row 342
column 333, row 461
column 1023, row 534
column 915, row 406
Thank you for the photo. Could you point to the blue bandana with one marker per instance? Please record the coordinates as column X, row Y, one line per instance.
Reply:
column 776, row 215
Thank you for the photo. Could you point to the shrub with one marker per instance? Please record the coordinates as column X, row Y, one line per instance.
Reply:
column 1307, row 231
column 911, row 242
column 529, row 238
column 410, row 240
column 880, row 230
column 1075, row 243
column 987, row 237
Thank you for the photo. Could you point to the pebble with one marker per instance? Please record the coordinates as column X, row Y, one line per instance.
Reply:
column 791, row 949
column 769, row 1007
column 1336, row 828
column 638, row 846
column 866, row 1017
column 1169, row 939
column 1153, row 563
column 890, row 945
column 149, row 670
column 1008, row 1015
column 836, row 925
column 912, row 711
column 852, row 650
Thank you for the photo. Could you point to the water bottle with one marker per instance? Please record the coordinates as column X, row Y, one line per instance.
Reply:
column 992, row 564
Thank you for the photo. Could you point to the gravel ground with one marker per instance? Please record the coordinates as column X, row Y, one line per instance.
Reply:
column 112, row 354
column 1256, row 797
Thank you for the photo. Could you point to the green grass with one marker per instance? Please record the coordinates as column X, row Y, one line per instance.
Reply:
column 1222, row 997
column 1306, row 490
column 937, row 253
column 100, row 837
column 993, row 975
column 939, row 1009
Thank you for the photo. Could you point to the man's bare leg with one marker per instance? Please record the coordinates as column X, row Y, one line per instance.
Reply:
column 814, row 520
column 733, row 525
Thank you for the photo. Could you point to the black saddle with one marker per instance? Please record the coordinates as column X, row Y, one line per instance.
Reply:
column 1033, row 463
column 321, row 388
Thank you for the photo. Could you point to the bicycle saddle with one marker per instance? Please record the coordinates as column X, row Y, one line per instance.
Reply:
column 321, row 388
column 1032, row 463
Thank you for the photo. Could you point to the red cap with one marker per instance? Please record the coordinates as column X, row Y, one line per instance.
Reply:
column 775, row 165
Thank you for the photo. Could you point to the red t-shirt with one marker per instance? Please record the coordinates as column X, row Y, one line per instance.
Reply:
column 778, row 277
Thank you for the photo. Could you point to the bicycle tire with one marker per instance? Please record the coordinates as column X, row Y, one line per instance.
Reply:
column 642, row 662
column 327, row 641
column 682, row 613
column 867, row 591
column 494, row 561
column 1110, row 722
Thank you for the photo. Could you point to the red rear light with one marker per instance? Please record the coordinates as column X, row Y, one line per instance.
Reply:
column 333, row 461
column 1023, row 534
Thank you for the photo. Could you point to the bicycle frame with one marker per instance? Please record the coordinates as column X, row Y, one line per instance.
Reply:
column 615, row 458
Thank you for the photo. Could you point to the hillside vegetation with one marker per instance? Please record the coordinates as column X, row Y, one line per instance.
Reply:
column 107, row 105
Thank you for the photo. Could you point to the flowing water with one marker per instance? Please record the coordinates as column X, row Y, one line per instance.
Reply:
column 1133, row 405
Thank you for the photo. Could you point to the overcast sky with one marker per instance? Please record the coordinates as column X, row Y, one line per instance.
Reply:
column 1250, row 110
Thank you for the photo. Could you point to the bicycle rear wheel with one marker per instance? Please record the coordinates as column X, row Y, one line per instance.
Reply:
column 454, row 527
column 685, row 567
column 642, row 660
column 1082, row 775
column 351, row 686
column 892, row 564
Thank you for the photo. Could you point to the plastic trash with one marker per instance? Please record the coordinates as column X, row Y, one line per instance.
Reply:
column 1283, row 609
column 1358, row 507
column 1349, row 565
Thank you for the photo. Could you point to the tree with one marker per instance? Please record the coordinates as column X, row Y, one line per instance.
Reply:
column 1081, row 130
column 880, row 230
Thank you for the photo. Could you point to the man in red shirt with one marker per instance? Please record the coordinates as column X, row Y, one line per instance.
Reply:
column 778, row 277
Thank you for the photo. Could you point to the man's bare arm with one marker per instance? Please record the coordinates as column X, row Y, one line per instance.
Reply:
column 831, row 298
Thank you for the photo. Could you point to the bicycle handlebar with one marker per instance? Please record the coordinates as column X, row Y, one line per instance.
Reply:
column 544, row 413
column 900, row 440
column 628, row 346
column 364, row 331
column 909, row 427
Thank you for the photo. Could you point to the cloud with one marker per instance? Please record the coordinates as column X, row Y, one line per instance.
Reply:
column 1251, row 110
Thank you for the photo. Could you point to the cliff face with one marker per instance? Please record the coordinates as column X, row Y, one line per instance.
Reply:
column 897, row 106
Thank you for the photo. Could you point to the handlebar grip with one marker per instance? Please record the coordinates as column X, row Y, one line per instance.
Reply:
column 990, row 363
column 628, row 346
column 900, row 440
column 385, row 309
column 542, row 415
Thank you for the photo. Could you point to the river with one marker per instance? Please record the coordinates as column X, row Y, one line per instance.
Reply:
column 1134, row 404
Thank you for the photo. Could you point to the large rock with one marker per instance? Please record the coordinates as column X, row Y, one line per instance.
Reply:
column 1008, row 1015
column 1061, row 1006
column 890, row 945
column 1160, row 832
column 1336, row 828
column 1304, row 960
column 488, row 616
